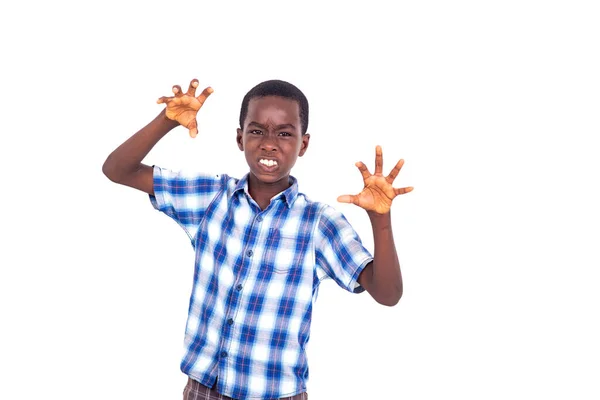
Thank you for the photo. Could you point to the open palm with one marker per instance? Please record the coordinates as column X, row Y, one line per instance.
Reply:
column 183, row 107
column 378, row 193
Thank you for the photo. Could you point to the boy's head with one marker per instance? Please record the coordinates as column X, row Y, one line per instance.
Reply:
column 280, row 89
column 272, row 133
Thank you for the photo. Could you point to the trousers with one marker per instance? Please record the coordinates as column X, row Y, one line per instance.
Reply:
column 196, row 391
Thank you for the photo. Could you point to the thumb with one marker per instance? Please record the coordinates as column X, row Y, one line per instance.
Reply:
column 348, row 198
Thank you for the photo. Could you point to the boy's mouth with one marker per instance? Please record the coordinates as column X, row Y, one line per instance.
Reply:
column 268, row 164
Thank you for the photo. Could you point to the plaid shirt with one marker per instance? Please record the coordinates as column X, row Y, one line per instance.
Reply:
column 256, row 276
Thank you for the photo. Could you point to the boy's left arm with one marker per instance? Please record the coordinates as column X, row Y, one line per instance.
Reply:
column 381, row 277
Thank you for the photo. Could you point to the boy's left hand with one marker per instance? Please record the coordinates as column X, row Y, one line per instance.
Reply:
column 378, row 193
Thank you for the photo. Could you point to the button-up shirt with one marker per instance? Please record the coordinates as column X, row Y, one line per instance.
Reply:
column 256, row 276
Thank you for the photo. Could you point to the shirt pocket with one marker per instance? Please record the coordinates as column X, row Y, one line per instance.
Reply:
column 281, row 253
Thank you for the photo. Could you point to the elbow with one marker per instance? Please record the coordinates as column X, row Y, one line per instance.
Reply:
column 390, row 300
column 110, row 171
column 385, row 290
column 390, row 297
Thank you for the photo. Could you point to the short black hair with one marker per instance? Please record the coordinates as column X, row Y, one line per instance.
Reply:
column 277, row 88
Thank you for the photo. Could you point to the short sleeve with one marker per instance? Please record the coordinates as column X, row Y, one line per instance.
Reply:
column 339, row 250
column 183, row 196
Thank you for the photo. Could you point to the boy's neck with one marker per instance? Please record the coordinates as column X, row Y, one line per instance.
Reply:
column 262, row 192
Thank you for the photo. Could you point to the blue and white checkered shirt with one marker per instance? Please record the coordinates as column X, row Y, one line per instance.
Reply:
column 256, row 276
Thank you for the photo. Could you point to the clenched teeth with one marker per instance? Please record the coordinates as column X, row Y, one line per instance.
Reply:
column 268, row 163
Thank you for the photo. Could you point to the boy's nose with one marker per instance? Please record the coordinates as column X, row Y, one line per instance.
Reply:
column 268, row 143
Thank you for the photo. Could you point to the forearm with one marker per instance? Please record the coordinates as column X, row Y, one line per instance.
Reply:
column 126, row 159
column 385, row 278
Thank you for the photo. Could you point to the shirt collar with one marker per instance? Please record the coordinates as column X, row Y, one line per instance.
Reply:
column 288, row 194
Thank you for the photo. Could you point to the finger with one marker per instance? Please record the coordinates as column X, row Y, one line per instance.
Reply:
column 404, row 190
column 177, row 91
column 394, row 173
column 363, row 169
column 204, row 95
column 164, row 99
column 175, row 101
column 378, row 160
column 348, row 198
column 193, row 127
column 192, row 89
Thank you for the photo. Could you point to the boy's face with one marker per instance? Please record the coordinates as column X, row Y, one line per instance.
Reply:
column 271, row 138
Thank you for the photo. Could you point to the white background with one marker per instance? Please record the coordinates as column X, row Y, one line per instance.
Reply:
column 493, row 105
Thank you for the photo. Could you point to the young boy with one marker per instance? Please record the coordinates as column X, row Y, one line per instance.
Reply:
column 262, row 247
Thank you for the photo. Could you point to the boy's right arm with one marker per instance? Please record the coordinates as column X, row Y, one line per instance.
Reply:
column 124, row 164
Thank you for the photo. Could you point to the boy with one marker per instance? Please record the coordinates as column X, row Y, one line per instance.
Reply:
column 262, row 248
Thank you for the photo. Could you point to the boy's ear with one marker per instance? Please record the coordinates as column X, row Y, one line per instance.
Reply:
column 304, row 146
column 239, row 140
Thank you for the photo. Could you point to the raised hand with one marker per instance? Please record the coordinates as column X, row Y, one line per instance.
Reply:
column 184, row 107
column 378, row 193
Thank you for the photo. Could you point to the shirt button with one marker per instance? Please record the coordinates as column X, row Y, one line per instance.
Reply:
column 223, row 354
column 259, row 218
column 230, row 321
column 249, row 253
column 239, row 287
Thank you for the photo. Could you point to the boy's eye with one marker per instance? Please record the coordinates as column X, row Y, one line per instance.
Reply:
column 256, row 132
column 284, row 134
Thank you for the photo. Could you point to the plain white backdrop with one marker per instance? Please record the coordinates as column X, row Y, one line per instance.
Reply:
column 493, row 105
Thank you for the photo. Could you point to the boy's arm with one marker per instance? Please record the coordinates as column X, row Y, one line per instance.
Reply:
column 381, row 277
column 124, row 164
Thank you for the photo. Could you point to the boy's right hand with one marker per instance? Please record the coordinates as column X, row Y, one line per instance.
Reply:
column 183, row 107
